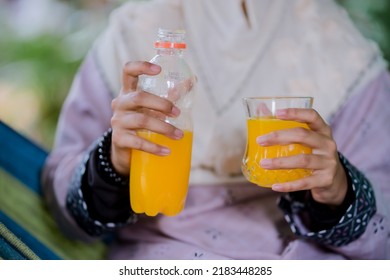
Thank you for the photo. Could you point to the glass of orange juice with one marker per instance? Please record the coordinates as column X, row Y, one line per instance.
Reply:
column 260, row 118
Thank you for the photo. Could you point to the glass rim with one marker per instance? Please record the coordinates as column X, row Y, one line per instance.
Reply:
column 277, row 97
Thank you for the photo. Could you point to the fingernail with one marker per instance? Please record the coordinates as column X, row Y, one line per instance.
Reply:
column 178, row 134
column 165, row 151
column 266, row 162
column 175, row 111
column 277, row 187
column 155, row 68
column 261, row 140
column 281, row 113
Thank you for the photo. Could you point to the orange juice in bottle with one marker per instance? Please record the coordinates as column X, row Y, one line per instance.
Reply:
column 165, row 191
column 159, row 184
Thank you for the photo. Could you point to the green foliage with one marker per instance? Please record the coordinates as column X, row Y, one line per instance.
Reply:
column 44, row 64
column 372, row 17
column 383, row 17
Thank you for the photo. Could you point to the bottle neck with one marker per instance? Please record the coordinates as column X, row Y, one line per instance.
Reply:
column 170, row 51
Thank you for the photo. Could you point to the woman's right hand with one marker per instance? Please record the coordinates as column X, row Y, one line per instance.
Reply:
column 135, row 109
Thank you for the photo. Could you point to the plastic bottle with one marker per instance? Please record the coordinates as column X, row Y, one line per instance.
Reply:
column 159, row 184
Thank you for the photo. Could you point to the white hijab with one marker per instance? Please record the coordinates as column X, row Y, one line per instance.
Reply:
column 282, row 48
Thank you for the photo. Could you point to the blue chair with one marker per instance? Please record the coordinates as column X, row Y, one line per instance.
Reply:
column 27, row 229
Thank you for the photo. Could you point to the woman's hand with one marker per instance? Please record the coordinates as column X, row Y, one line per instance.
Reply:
column 134, row 109
column 328, row 182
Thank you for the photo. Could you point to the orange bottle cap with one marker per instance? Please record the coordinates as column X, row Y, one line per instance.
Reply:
column 169, row 45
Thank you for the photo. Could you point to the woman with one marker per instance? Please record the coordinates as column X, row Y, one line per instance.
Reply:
column 237, row 48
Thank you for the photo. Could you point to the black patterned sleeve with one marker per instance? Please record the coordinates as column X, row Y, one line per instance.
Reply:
column 328, row 226
column 98, row 197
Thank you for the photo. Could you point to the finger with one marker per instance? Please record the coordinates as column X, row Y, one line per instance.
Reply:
column 128, row 140
column 133, row 69
column 305, row 161
column 308, row 116
column 136, row 121
column 306, row 183
column 137, row 100
column 142, row 99
column 153, row 114
column 298, row 135
column 263, row 110
column 181, row 88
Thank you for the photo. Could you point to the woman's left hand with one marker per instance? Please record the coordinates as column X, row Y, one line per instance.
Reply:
column 328, row 181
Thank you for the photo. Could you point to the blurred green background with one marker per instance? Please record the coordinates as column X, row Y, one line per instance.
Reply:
column 42, row 43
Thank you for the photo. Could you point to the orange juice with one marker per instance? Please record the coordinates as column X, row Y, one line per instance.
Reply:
column 158, row 184
column 255, row 153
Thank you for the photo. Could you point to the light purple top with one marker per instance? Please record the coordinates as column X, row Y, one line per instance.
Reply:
column 219, row 222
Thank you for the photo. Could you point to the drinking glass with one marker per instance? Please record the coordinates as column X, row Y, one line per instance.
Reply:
column 260, row 120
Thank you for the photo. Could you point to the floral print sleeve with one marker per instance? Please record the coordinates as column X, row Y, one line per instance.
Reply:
column 353, row 221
